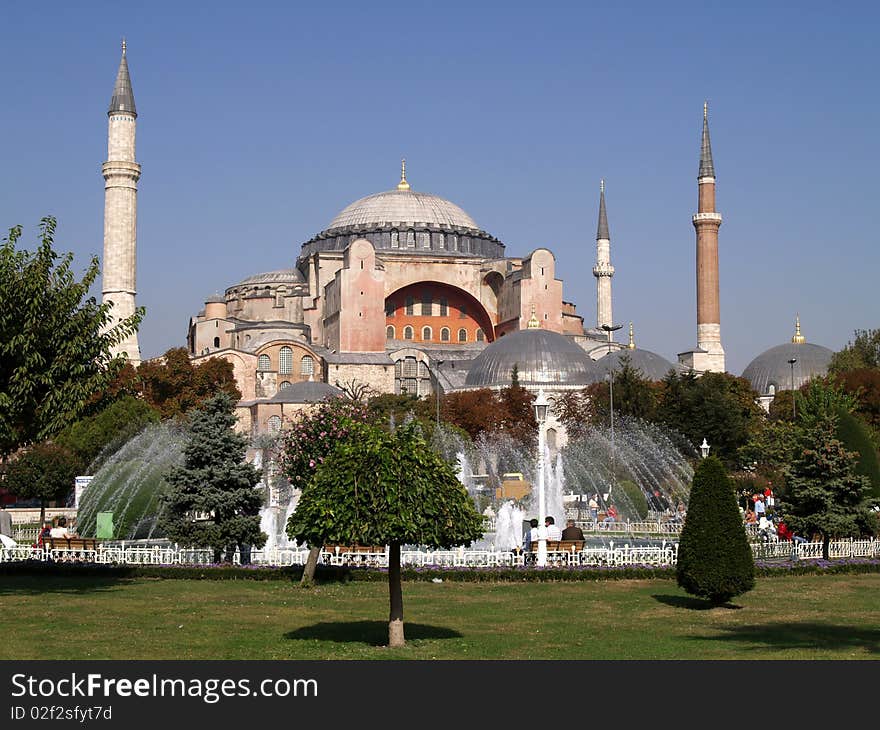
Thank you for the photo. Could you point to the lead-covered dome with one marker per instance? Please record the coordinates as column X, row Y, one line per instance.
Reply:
column 771, row 367
column 542, row 358
column 650, row 364
column 403, row 208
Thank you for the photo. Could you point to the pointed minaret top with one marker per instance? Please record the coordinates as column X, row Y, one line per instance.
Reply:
column 123, row 96
column 602, row 231
column 798, row 338
column 707, row 167
column 403, row 184
column 632, row 342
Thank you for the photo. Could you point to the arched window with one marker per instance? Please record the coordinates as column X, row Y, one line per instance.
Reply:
column 285, row 361
column 410, row 238
column 410, row 305
column 264, row 363
column 480, row 336
column 389, row 332
column 307, row 365
column 284, row 384
column 426, row 303
column 462, row 335
column 407, row 333
column 444, row 334
column 426, row 334
column 444, row 307
column 462, row 311
column 395, row 238
column 772, row 390
column 216, row 342
column 389, row 308
column 274, row 424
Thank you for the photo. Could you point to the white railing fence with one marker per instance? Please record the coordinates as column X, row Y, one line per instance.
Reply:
column 659, row 555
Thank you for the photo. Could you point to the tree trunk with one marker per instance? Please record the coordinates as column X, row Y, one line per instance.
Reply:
column 218, row 555
column 308, row 576
column 395, row 616
column 42, row 513
column 826, row 544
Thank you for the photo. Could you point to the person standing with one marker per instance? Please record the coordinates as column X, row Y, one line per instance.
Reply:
column 5, row 522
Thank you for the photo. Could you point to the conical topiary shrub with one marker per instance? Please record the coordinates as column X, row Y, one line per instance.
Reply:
column 714, row 557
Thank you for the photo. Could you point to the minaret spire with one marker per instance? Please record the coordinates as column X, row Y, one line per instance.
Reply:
column 121, row 174
column 403, row 184
column 603, row 270
column 632, row 342
column 707, row 167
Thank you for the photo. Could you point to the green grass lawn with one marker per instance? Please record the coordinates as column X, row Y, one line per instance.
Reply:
column 793, row 617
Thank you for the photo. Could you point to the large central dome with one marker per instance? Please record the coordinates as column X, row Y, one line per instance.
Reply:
column 403, row 207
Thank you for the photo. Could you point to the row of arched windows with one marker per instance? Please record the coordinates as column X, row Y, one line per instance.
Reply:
column 428, row 334
column 427, row 307
column 285, row 363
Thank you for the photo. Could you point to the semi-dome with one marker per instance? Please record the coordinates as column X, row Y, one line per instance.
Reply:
column 651, row 365
column 542, row 358
column 281, row 276
column 403, row 207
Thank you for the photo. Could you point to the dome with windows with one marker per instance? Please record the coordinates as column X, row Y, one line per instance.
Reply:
column 542, row 358
column 403, row 208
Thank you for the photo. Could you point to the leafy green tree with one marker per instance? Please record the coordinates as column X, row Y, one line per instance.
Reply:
column 862, row 352
column 517, row 414
column 173, row 385
column 212, row 500
column 55, row 341
column 105, row 432
column 576, row 410
column 856, row 437
column 714, row 557
column 381, row 488
column 824, row 494
column 716, row 406
column 308, row 441
column 45, row 472
column 864, row 385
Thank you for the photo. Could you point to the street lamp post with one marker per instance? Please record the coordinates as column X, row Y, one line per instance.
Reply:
column 541, row 406
column 793, row 407
column 437, row 387
column 609, row 328
column 704, row 448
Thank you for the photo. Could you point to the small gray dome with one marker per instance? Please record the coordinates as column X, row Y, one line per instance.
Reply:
column 282, row 276
column 305, row 392
column 215, row 299
column 542, row 357
column 771, row 367
column 651, row 365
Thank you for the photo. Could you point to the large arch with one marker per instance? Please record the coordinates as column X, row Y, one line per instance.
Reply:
column 438, row 306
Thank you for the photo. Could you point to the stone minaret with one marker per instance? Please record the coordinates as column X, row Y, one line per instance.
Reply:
column 709, row 354
column 121, row 174
column 603, row 270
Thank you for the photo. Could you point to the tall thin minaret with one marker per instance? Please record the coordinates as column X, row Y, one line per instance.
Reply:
column 709, row 354
column 603, row 270
column 121, row 174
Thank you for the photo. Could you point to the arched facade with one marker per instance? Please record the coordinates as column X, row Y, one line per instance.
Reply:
column 433, row 310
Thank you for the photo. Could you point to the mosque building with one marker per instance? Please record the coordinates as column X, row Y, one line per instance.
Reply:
column 402, row 292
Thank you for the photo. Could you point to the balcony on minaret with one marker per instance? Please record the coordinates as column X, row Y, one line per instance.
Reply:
column 603, row 269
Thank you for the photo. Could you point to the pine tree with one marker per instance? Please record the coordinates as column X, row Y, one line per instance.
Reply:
column 824, row 493
column 714, row 557
column 212, row 500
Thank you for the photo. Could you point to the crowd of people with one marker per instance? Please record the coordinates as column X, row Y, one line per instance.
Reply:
column 763, row 512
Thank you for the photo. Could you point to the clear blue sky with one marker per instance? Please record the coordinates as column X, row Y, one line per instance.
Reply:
column 260, row 121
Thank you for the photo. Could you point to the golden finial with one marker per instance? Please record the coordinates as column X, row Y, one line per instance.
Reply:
column 403, row 184
column 533, row 320
column 706, row 109
column 123, row 46
column 632, row 342
column 798, row 338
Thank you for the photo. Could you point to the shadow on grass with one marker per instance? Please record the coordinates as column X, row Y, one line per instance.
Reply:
column 691, row 603
column 804, row 635
column 373, row 633
column 30, row 585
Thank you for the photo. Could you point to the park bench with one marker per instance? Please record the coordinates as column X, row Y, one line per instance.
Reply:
column 559, row 552
column 70, row 543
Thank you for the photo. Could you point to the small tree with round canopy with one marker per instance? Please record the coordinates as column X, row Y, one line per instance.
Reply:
column 380, row 488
